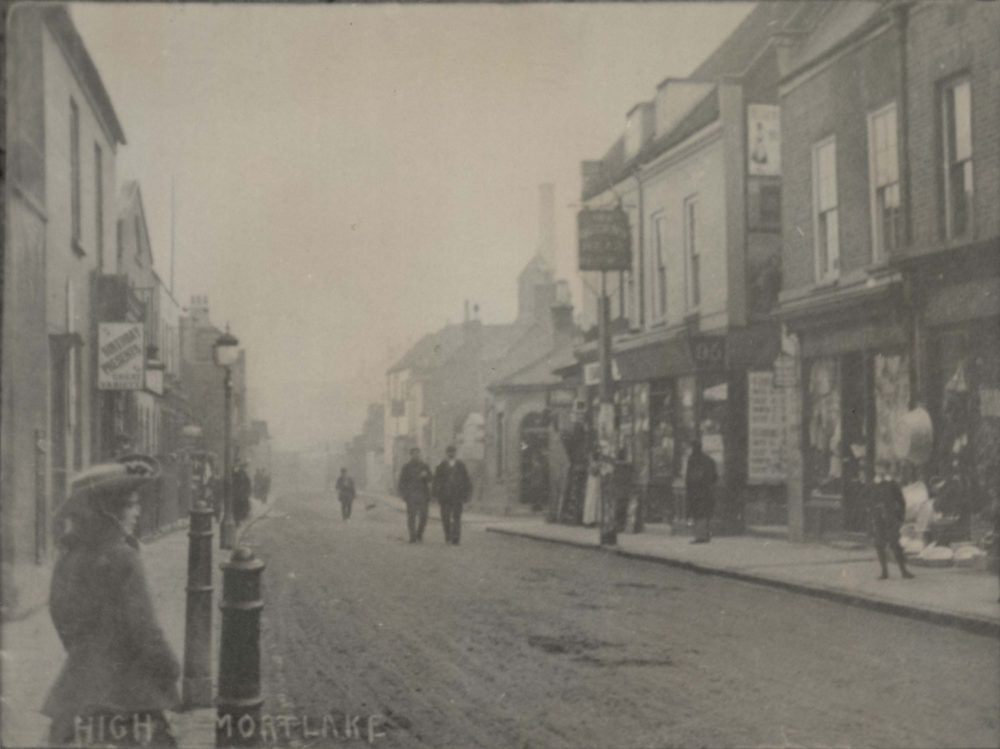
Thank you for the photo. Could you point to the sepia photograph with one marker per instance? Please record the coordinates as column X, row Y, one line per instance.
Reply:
column 500, row 375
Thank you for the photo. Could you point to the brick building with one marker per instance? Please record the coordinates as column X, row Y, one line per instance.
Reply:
column 890, row 244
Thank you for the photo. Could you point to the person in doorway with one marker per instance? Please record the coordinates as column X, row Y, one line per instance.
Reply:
column 415, row 489
column 700, row 480
column 120, row 670
column 241, row 493
column 345, row 493
column 452, row 488
column 887, row 510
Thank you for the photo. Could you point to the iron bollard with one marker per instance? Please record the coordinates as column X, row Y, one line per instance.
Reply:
column 197, row 685
column 239, row 700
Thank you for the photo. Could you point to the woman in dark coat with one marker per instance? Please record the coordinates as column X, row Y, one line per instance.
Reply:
column 120, row 674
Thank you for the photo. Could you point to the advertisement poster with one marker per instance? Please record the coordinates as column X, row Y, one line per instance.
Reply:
column 764, row 140
column 765, row 461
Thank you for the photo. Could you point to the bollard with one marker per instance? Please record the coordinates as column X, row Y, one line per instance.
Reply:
column 197, row 685
column 239, row 700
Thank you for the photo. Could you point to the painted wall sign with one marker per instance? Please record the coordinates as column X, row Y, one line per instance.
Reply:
column 708, row 352
column 120, row 356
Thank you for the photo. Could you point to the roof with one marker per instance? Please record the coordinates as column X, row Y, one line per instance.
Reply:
column 431, row 350
column 59, row 22
column 541, row 371
column 823, row 29
column 702, row 114
column 735, row 55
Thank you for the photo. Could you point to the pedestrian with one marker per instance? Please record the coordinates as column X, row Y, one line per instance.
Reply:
column 415, row 489
column 345, row 493
column 241, row 493
column 592, row 495
column 887, row 510
column 452, row 488
column 700, row 479
column 120, row 674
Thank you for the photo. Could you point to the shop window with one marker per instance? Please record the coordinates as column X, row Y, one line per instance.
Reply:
column 712, row 419
column 883, row 155
column 662, row 451
column 825, row 210
column 892, row 401
column 687, row 424
column 956, row 106
column 823, row 462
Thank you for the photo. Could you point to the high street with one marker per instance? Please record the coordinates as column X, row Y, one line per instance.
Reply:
column 504, row 642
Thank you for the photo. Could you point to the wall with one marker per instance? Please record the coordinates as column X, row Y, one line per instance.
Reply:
column 836, row 100
column 945, row 39
column 671, row 180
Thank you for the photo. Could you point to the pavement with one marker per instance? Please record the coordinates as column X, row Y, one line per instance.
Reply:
column 32, row 654
column 952, row 596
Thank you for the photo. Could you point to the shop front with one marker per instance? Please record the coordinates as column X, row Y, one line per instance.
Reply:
column 856, row 386
column 676, row 389
column 960, row 374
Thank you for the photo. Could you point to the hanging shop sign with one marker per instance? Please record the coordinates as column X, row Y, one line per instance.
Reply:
column 592, row 372
column 766, row 422
column 708, row 352
column 120, row 356
column 605, row 239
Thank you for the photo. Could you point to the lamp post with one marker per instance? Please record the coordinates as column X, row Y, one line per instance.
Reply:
column 226, row 351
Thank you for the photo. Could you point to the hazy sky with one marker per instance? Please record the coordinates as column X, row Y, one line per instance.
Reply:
column 347, row 176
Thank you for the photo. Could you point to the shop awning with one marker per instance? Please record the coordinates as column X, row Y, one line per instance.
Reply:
column 651, row 362
column 971, row 300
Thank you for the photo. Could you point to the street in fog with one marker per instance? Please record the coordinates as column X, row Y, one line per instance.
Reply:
column 504, row 642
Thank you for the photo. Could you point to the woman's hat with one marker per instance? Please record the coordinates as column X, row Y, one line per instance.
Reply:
column 126, row 474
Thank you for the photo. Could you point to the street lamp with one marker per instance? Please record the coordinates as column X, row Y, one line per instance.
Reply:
column 226, row 351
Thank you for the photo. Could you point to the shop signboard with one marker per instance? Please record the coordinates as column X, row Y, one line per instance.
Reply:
column 785, row 375
column 766, row 417
column 709, row 352
column 592, row 372
column 605, row 239
column 120, row 356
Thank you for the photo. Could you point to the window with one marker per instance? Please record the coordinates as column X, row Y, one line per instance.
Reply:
column 884, row 179
column 691, row 251
column 74, row 156
column 99, row 202
column 500, row 445
column 827, row 234
column 957, row 107
column 659, row 275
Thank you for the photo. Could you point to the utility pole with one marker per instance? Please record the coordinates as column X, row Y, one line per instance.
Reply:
column 606, row 419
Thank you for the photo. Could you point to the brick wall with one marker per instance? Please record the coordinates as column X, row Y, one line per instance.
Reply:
column 834, row 101
column 945, row 40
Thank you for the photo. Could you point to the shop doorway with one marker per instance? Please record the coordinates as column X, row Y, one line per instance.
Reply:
column 535, row 460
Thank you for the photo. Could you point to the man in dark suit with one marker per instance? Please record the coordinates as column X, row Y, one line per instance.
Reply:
column 700, row 479
column 452, row 487
column 415, row 489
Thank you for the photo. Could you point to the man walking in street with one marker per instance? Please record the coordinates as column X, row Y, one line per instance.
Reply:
column 700, row 481
column 345, row 493
column 452, row 487
column 415, row 489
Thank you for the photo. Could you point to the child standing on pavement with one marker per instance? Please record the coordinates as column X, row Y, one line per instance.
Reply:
column 887, row 510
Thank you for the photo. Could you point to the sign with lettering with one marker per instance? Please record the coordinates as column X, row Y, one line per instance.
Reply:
column 605, row 239
column 120, row 356
column 708, row 352
column 785, row 373
column 766, row 438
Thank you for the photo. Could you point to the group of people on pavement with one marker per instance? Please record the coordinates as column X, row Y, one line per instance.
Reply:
column 450, row 485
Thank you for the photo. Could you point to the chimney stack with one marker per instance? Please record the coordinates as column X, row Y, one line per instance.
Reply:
column 547, row 223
